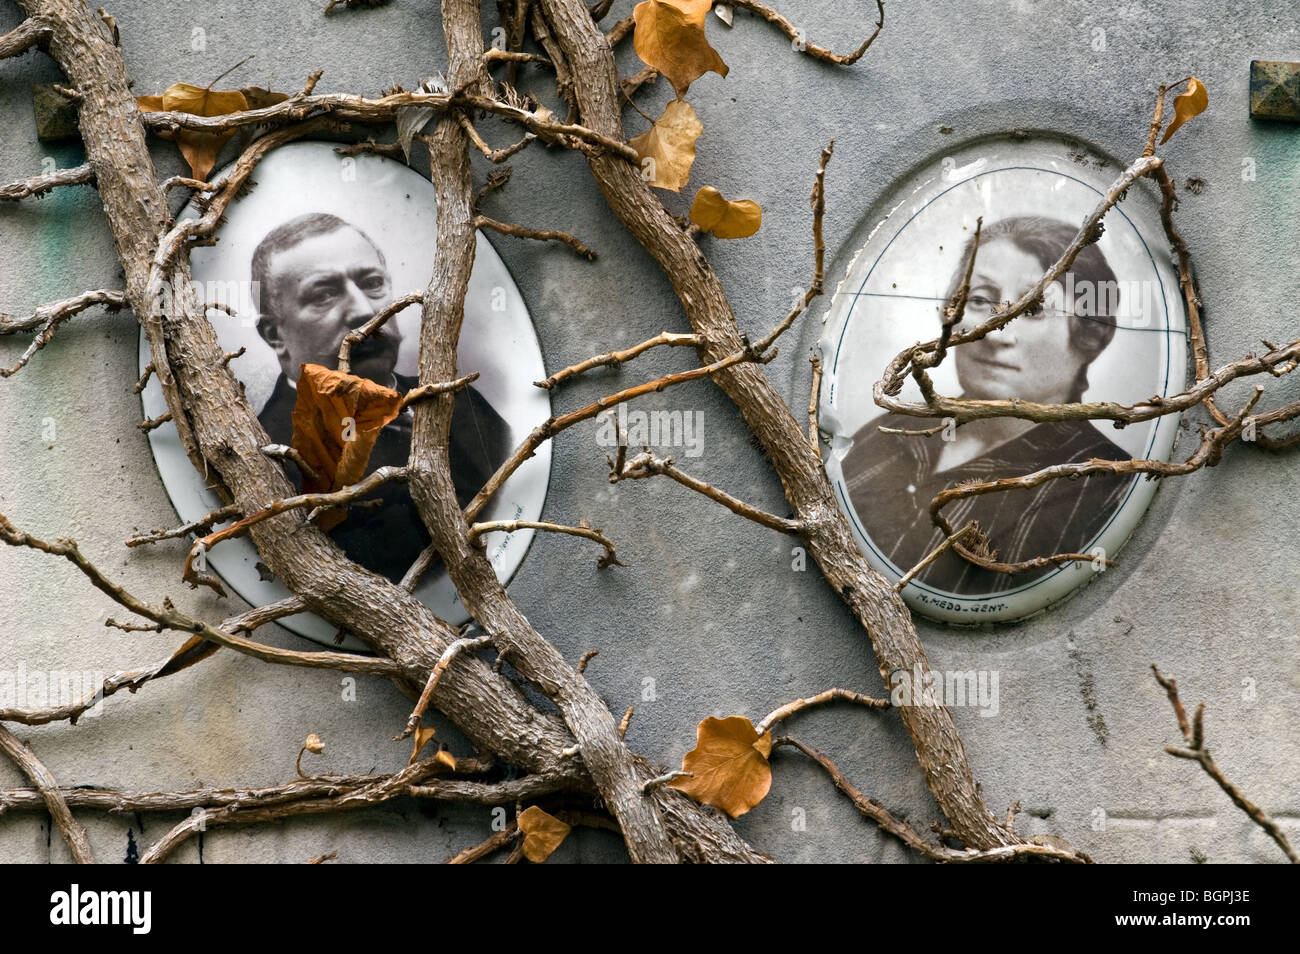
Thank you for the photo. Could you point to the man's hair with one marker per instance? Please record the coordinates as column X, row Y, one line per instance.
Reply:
column 1045, row 240
column 288, row 235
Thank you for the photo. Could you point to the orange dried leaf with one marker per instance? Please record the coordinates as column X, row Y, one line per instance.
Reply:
column 199, row 148
column 423, row 736
column 1186, row 105
column 670, row 145
column 336, row 421
column 445, row 759
column 723, row 217
column 670, row 38
column 542, row 833
column 729, row 765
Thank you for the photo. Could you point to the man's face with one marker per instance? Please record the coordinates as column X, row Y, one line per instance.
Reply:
column 1032, row 358
column 322, row 288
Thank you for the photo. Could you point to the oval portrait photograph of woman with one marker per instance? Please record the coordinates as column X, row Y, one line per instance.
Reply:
column 1110, row 328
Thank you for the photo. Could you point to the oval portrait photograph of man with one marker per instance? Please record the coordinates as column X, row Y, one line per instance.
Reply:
column 1109, row 328
column 319, row 246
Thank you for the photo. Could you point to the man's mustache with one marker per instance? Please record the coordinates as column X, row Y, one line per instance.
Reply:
column 379, row 340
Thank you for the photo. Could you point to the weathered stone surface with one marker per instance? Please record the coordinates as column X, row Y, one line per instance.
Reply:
column 1275, row 90
column 56, row 115
column 709, row 617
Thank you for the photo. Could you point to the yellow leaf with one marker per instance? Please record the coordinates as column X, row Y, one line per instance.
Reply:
column 670, row 145
column 729, row 764
column 670, row 38
column 724, row 218
column 314, row 744
column 423, row 736
column 445, row 759
column 199, row 148
column 337, row 450
column 542, row 833
column 1186, row 105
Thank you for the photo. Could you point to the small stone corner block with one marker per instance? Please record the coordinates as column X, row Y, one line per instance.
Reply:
column 56, row 115
column 1275, row 90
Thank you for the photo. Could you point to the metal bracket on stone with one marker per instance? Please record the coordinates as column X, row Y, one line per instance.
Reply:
column 1275, row 90
column 56, row 115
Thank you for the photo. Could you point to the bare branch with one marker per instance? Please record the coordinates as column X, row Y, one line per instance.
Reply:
column 493, row 155
column 934, row 555
column 549, row 428
column 450, row 653
column 411, row 781
column 909, row 836
column 285, row 452
column 50, row 316
column 781, row 713
column 26, row 760
column 647, row 465
column 494, row 55
column 40, row 185
column 318, row 501
column 613, row 359
column 891, row 381
column 492, row 843
column 381, row 317
column 184, row 182
column 1196, row 751
column 31, row 32
column 1207, row 454
column 203, row 523
column 814, row 398
column 541, row 235
column 796, row 35
column 610, row 557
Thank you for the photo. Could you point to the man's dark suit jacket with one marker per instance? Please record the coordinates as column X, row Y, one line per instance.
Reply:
column 387, row 539
column 891, row 480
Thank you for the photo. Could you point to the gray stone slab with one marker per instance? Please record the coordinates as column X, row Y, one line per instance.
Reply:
column 709, row 608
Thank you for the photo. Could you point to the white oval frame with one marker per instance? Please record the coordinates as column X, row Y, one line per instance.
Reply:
column 1080, row 180
column 310, row 176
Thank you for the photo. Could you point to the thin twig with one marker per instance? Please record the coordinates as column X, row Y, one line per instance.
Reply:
column 1195, row 749
column 796, row 35
column 50, row 316
column 909, row 836
column 607, row 559
column 646, row 465
column 358, row 335
column 934, row 555
column 450, row 653
column 614, row 359
column 40, row 185
column 540, row 235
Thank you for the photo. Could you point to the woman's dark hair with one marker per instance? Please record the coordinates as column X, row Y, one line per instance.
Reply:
column 1046, row 240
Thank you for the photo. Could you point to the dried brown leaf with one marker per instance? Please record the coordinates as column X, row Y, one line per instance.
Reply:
column 543, row 833
column 670, row 38
column 336, row 421
column 200, row 149
column 259, row 98
column 423, row 736
column 670, row 145
column 1186, row 105
column 729, row 765
column 445, row 759
column 723, row 217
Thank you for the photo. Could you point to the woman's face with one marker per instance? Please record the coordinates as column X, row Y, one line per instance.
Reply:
column 1032, row 357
